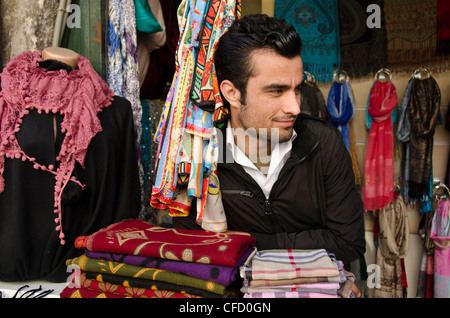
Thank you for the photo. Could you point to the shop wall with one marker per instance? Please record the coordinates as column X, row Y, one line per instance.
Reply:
column 25, row 25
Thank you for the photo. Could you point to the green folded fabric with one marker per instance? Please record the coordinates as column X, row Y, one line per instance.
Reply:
column 108, row 267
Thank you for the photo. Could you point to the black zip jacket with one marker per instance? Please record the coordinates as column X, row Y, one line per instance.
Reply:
column 313, row 204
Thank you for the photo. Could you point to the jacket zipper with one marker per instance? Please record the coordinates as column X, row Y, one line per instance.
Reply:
column 267, row 208
column 239, row 192
column 267, row 202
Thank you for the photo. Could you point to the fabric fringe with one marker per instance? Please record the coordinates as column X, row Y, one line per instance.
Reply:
column 418, row 190
column 401, row 50
column 321, row 72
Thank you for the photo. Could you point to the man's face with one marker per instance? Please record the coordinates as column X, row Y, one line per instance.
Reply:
column 273, row 96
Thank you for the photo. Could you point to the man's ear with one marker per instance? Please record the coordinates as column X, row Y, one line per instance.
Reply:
column 230, row 93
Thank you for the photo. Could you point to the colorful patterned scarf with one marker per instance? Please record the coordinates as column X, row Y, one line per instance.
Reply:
column 107, row 267
column 79, row 95
column 91, row 288
column 189, row 151
column 123, row 70
column 173, row 120
column 220, row 274
column 289, row 264
column 317, row 23
column 440, row 233
column 156, row 285
column 341, row 108
column 289, row 295
column 378, row 188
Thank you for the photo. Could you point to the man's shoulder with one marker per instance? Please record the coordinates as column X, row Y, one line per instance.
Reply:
column 314, row 124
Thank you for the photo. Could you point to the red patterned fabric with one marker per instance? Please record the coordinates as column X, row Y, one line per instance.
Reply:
column 90, row 288
column 137, row 237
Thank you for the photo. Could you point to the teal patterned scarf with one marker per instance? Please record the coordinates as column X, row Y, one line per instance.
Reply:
column 317, row 23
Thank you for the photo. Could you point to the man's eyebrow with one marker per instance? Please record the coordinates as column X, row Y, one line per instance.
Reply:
column 275, row 86
column 282, row 86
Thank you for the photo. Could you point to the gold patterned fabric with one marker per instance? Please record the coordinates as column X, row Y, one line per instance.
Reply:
column 411, row 31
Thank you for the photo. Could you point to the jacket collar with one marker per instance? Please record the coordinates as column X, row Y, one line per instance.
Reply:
column 306, row 140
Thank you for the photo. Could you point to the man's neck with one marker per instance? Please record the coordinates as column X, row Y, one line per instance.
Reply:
column 253, row 146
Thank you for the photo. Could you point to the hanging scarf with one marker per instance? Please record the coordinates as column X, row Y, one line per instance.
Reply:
column 195, row 171
column 173, row 120
column 203, row 182
column 424, row 110
column 393, row 246
column 201, row 97
column 123, row 77
column 317, row 22
column 79, row 95
column 378, row 188
column 403, row 135
column 440, row 234
column 341, row 108
column 313, row 102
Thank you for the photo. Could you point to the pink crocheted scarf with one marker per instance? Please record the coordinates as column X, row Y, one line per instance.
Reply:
column 79, row 95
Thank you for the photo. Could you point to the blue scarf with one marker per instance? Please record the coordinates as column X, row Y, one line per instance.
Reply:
column 341, row 108
column 317, row 22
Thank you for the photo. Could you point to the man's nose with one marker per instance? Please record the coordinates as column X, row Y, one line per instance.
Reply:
column 292, row 103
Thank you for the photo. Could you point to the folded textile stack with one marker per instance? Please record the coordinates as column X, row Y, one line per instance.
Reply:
column 134, row 258
column 287, row 273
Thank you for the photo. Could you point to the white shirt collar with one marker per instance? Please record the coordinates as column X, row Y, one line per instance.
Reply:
column 279, row 155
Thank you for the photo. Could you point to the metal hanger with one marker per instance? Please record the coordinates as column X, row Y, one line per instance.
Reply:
column 308, row 78
column 341, row 76
column 440, row 190
column 383, row 75
column 421, row 73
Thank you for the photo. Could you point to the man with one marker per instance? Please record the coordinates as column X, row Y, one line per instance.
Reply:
column 290, row 183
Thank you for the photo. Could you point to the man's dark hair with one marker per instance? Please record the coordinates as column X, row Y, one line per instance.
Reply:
column 252, row 32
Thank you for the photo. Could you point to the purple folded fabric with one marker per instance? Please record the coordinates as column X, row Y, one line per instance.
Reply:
column 216, row 273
